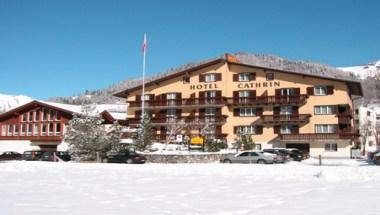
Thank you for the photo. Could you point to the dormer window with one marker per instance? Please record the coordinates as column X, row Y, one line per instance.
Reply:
column 270, row 76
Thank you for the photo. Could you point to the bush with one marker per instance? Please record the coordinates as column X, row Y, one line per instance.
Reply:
column 215, row 145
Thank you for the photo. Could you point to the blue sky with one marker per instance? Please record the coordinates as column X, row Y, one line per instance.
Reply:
column 60, row 48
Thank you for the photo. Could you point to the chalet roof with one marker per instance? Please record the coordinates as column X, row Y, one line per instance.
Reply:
column 263, row 62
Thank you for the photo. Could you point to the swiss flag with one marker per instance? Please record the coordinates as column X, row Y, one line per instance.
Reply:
column 144, row 46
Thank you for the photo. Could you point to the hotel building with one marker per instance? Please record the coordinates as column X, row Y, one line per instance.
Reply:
column 276, row 107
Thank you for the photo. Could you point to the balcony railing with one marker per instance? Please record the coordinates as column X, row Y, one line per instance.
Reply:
column 286, row 118
column 265, row 100
column 189, row 119
column 163, row 137
column 191, row 102
column 318, row 136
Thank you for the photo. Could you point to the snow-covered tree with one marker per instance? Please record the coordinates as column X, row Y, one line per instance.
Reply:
column 173, row 128
column 144, row 134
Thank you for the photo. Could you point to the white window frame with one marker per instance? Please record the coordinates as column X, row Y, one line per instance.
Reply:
column 287, row 91
column 323, row 110
column 244, row 76
column 325, row 128
column 320, row 90
column 145, row 97
column 210, row 111
column 243, row 93
column 247, row 129
column 247, row 112
column 331, row 147
column 35, row 129
column 28, row 126
column 50, row 130
column 210, row 94
column 210, row 77
column 286, row 110
column 16, row 130
column 10, row 129
column 43, row 133
column 171, row 96
column 286, row 129
column 3, row 130
column 57, row 131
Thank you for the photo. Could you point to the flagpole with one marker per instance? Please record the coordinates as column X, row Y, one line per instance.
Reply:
column 143, row 80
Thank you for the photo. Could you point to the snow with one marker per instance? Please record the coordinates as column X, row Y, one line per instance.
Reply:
column 340, row 187
column 8, row 102
column 363, row 71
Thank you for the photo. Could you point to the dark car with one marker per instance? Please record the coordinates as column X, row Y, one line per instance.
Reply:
column 32, row 155
column 376, row 158
column 127, row 156
column 296, row 154
column 55, row 156
column 371, row 155
column 6, row 156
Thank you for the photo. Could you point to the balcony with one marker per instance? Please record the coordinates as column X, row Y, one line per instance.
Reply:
column 286, row 118
column 345, row 117
column 319, row 136
column 268, row 100
column 191, row 120
column 163, row 137
column 175, row 103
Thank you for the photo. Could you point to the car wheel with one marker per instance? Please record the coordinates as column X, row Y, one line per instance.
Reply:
column 129, row 161
column 261, row 161
column 105, row 160
column 227, row 161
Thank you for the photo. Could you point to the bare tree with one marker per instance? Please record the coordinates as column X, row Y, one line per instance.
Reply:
column 174, row 126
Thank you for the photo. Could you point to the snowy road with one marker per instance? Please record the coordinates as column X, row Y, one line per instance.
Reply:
column 77, row 188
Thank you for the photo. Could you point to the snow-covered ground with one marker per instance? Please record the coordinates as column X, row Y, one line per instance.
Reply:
column 341, row 187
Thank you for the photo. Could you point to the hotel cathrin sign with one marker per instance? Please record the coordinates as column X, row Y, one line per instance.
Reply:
column 240, row 85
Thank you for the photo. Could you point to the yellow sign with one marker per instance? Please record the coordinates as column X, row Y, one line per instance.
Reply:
column 196, row 140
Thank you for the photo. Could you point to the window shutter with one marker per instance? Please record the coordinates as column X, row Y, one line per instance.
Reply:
column 201, row 112
column 218, row 112
column 297, row 91
column 163, row 97
column 235, row 94
column 236, row 128
column 259, row 129
column 201, row 94
column 276, row 129
column 235, row 77
column 201, row 78
column 259, row 111
column 277, row 92
column 192, row 96
column 252, row 93
column 138, row 98
column 295, row 110
column 334, row 109
column 330, row 90
column 295, row 129
column 138, row 114
column 218, row 93
column 161, row 114
column 179, row 113
column 252, row 76
column 218, row 129
column 236, row 111
column 179, row 96
column 218, row 77
column 158, row 97
column 310, row 91
column 151, row 97
column 276, row 110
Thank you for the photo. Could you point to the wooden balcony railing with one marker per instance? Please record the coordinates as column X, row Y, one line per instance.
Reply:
column 265, row 100
column 189, row 119
column 163, row 137
column 319, row 136
column 286, row 118
column 191, row 102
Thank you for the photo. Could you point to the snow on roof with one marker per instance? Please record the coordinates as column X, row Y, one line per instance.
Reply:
column 72, row 108
column 118, row 115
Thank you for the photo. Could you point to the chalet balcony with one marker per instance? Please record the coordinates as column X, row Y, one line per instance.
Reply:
column 214, row 120
column 177, row 103
column 286, row 118
column 163, row 137
column 269, row 100
column 319, row 136
column 345, row 117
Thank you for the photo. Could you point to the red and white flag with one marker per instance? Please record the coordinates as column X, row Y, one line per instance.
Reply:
column 144, row 46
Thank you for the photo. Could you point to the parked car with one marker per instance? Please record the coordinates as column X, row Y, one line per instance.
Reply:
column 126, row 156
column 32, row 155
column 370, row 155
column 296, row 154
column 49, row 156
column 9, row 155
column 250, row 157
column 376, row 158
column 282, row 154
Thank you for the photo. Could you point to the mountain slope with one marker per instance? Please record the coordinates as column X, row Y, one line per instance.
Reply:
column 363, row 71
column 8, row 102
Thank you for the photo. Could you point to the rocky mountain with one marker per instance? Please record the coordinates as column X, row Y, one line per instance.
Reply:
column 8, row 102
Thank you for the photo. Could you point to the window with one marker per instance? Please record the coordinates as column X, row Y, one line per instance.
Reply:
column 43, row 129
column 23, row 129
column 51, row 129
column 331, row 147
column 247, row 129
column 30, row 119
column 244, row 76
column 24, row 117
column 320, row 90
column 29, row 129
column 145, row 97
column 37, row 116
column 10, row 130
column 186, row 80
column 170, row 113
column 323, row 109
column 35, row 129
column 286, row 110
column 325, row 128
column 44, row 114
column 58, row 116
column 57, row 128
column 210, row 94
column 247, row 111
column 286, row 129
column 287, row 91
column 15, row 133
column 210, row 111
column 52, row 115
column 210, row 78
column 171, row 96
column 243, row 94
column 3, row 130
column 270, row 76
column 244, row 154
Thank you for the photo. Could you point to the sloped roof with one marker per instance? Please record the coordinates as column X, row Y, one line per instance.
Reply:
column 264, row 62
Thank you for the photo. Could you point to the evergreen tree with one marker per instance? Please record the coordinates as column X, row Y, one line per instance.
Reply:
column 144, row 134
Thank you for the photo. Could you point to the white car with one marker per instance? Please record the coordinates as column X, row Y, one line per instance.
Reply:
column 250, row 157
